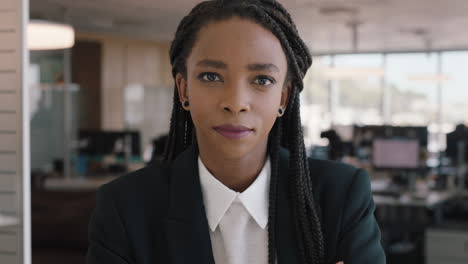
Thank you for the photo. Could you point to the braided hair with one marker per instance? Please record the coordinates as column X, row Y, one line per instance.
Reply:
column 287, row 130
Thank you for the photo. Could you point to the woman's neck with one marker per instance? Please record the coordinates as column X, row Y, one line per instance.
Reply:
column 237, row 174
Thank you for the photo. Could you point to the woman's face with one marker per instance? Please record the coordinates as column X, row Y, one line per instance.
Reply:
column 235, row 85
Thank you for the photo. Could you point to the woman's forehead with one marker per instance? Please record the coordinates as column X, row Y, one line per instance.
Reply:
column 237, row 40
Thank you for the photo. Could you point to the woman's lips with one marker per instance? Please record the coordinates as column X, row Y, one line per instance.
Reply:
column 233, row 131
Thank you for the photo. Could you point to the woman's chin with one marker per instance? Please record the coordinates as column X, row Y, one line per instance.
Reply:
column 229, row 149
column 233, row 151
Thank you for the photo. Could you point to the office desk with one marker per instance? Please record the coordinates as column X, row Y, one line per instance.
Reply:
column 77, row 184
column 433, row 201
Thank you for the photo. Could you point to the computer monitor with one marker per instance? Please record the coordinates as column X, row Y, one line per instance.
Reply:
column 104, row 142
column 395, row 153
column 459, row 135
column 364, row 135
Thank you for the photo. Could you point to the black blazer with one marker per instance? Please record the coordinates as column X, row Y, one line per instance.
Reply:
column 156, row 215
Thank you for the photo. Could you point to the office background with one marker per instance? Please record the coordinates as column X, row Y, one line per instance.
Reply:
column 387, row 91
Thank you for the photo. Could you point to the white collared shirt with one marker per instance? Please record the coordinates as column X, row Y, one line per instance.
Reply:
column 237, row 221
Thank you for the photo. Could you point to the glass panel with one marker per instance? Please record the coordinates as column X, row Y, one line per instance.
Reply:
column 146, row 110
column 454, row 90
column 49, row 121
column 315, row 103
column 413, row 92
column 357, row 79
column 348, row 89
column 341, row 90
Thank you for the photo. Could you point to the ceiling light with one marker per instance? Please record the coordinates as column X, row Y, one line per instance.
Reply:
column 44, row 35
column 338, row 73
column 429, row 77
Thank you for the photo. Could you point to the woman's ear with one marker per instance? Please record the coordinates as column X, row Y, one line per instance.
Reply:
column 285, row 95
column 181, row 84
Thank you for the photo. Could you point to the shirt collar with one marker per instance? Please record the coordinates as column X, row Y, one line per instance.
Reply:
column 217, row 197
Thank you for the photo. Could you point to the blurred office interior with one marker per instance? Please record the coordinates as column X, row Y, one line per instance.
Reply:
column 387, row 91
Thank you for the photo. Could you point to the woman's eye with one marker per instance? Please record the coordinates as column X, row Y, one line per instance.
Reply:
column 209, row 77
column 264, row 80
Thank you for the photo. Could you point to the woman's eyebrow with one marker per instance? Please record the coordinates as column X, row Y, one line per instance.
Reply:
column 251, row 67
column 212, row 63
column 263, row 67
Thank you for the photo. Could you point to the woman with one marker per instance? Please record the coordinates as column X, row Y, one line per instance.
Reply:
column 236, row 185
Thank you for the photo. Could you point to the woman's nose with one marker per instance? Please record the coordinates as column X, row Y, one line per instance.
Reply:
column 236, row 99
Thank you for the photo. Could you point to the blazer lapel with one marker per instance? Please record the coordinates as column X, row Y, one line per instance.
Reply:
column 187, row 231
column 285, row 231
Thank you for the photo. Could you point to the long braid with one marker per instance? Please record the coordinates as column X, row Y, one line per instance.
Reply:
column 273, row 149
column 180, row 132
column 287, row 130
column 304, row 195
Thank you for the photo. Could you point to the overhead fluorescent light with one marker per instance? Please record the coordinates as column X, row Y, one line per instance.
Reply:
column 429, row 77
column 339, row 73
column 45, row 35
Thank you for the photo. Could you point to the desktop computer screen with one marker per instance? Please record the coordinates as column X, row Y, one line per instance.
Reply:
column 396, row 153
column 105, row 142
column 453, row 151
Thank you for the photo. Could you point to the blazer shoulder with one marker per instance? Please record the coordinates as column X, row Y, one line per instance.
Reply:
column 331, row 175
column 149, row 181
column 347, row 209
column 338, row 182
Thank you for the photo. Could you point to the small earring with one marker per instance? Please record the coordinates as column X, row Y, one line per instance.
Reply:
column 186, row 103
column 280, row 111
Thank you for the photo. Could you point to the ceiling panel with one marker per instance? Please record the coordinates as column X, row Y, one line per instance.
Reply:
column 384, row 25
